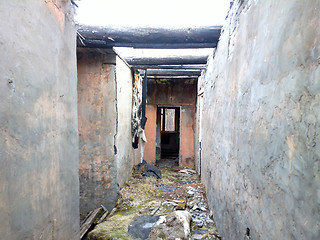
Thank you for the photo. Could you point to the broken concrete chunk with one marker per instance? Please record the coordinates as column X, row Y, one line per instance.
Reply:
column 176, row 225
column 198, row 236
column 141, row 226
column 187, row 171
column 166, row 188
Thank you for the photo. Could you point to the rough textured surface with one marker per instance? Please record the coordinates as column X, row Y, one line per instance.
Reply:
column 180, row 93
column 260, row 124
column 39, row 196
column 142, row 197
column 97, row 112
column 175, row 225
column 104, row 104
column 141, row 226
column 127, row 157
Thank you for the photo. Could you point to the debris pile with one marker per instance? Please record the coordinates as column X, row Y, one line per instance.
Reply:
column 171, row 207
column 148, row 170
column 175, row 225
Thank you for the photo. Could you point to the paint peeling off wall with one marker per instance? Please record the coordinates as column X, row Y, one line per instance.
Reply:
column 136, row 105
column 260, row 122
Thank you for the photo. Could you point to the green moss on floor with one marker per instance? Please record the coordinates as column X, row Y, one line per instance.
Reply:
column 141, row 197
column 116, row 227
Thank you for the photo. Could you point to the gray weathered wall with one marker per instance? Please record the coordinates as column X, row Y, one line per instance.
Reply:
column 39, row 190
column 104, row 105
column 261, row 122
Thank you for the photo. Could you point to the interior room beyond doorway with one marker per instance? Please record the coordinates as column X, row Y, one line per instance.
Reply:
column 168, row 134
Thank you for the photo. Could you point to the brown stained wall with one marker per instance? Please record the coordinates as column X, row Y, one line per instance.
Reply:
column 39, row 188
column 97, row 128
column 178, row 93
column 105, row 139
column 150, row 130
column 187, row 121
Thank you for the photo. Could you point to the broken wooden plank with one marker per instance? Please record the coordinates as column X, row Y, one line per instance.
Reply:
column 89, row 221
column 103, row 217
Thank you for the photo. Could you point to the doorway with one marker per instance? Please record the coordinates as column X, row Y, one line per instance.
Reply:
column 168, row 133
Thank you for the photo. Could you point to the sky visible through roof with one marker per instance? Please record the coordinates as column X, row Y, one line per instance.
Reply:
column 150, row 13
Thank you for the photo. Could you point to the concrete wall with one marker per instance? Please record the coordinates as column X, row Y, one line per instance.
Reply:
column 104, row 104
column 126, row 155
column 39, row 191
column 261, row 124
column 180, row 93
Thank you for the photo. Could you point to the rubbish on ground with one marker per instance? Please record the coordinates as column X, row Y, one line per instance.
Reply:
column 142, row 197
column 140, row 227
column 175, row 225
column 148, row 170
column 166, row 188
column 187, row 171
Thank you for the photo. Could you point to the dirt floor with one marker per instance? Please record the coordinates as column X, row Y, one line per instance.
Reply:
column 178, row 189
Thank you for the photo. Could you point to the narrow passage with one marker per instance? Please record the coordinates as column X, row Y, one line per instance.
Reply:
column 172, row 207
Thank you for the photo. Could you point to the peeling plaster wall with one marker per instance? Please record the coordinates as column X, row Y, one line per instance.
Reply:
column 261, row 122
column 105, row 139
column 39, row 188
column 180, row 93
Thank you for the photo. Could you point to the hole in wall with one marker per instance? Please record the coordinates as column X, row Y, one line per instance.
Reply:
column 248, row 232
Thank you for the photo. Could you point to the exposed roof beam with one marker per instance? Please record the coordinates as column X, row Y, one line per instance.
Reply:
column 173, row 77
column 188, row 66
column 165, row 72
column 170, row 60
column 107, row 37
column 104, row 44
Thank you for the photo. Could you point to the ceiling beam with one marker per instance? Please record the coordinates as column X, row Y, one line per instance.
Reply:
column 162, row 38
column 165, row 72
column 188, row 66
column 169, row 60
column 173, row 77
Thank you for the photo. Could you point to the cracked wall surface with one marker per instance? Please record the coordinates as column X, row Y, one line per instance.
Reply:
column 260, row 122
column 39, row 188
column 104, row 109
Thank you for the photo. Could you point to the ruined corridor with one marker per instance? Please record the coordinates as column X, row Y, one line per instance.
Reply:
column 218, row 122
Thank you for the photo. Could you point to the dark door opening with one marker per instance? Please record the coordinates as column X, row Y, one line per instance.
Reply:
column 169, row 133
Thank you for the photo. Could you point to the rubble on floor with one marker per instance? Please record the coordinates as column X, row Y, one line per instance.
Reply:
column 152, row 208
column 175, row 225
column 148, row 170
